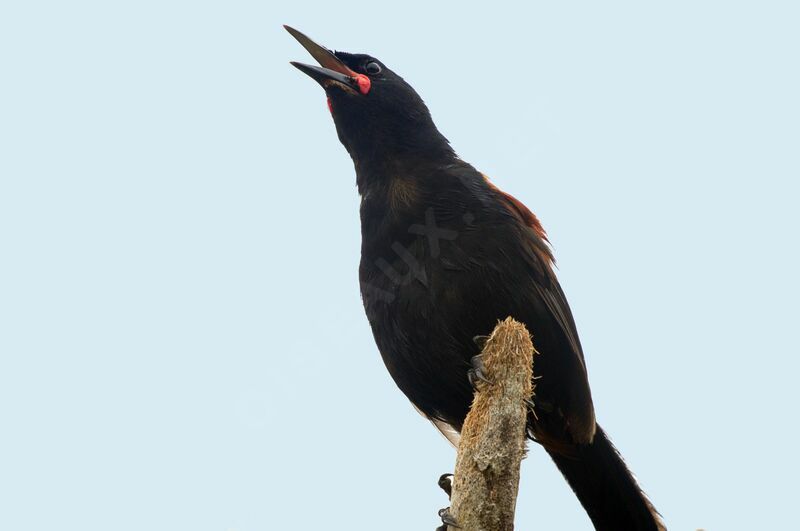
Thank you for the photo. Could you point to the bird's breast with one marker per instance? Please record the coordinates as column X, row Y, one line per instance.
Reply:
column 427, row 292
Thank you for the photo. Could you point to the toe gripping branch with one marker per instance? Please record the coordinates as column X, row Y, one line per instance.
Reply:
column 483, row 491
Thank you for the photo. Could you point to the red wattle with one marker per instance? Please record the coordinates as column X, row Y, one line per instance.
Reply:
column 330, row 106
column 364, row 84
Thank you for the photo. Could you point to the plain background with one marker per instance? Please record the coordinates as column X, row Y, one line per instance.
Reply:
column 183, row 344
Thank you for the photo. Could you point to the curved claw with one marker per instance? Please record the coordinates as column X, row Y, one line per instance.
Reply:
column 480, row 341
column 447, row 519
column 476, row 372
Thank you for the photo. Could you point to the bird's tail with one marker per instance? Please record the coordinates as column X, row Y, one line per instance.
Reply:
column 606, row 488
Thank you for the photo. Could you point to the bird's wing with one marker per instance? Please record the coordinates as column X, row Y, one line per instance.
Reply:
column 521, row 211
column 550, row 292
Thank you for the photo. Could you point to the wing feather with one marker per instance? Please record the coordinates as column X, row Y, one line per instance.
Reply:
column 550, row 292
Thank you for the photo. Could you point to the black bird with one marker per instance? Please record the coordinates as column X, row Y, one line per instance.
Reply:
column 445, row 254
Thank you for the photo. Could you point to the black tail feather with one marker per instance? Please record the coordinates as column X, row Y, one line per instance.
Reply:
column 607, row 489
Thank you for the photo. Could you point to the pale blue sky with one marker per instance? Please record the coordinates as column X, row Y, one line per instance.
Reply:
column 182, row 343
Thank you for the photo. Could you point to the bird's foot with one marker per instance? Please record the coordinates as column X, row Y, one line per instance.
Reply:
column 446, row 484
column 476, row 373
column 480, row 341
column 447, row 520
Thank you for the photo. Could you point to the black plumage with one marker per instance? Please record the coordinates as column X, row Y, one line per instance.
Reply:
column 445, row 254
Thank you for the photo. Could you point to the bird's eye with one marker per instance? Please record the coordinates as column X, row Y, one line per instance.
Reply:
column 373, row 68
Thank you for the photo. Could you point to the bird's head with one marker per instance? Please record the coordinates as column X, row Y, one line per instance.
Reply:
column 379, row 117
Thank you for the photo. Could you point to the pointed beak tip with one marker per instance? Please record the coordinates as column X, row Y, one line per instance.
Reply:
column 331, row 67
column 300, row 36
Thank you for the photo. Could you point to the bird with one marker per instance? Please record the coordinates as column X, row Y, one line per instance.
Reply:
column 445, row 255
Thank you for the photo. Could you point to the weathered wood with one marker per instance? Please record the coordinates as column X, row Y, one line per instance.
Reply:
column 493, row 437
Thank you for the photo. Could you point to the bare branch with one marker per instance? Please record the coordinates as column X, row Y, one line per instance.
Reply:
column 493, row 436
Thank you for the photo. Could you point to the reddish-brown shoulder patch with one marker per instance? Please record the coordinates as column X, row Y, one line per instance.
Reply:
column 520, row 210
column 523, row 213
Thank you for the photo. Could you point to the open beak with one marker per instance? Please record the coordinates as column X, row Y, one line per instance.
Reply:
column 331, row 69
